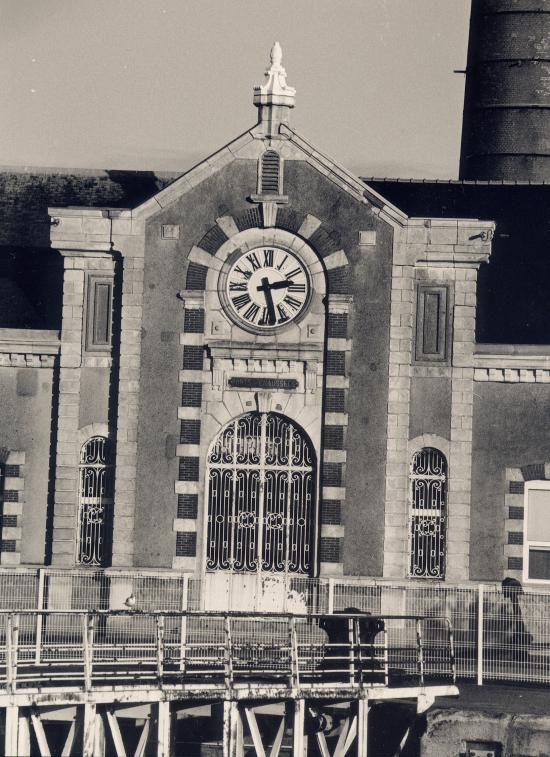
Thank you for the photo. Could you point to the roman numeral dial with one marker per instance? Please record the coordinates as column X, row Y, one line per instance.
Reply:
column 267, row 287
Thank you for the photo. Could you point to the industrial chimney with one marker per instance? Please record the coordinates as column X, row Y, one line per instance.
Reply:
column 506, row 125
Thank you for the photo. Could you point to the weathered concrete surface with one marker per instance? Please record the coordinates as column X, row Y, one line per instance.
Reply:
column 515, row 718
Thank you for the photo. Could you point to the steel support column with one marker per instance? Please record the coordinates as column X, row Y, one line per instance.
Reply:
column 11, row 727
column 232, row 730
column 163, row 729
column 23, row 734
column 298, row 736
column 93, row 741
column 362, row 727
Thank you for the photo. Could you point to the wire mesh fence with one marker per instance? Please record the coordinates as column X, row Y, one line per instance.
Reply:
column 499, row 632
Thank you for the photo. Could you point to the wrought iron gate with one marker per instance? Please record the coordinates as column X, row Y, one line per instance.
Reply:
column 261, row 478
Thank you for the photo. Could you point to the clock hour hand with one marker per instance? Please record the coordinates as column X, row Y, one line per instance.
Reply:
column 266, row 289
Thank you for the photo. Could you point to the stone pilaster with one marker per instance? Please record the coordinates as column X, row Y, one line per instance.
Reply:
column 397, row 463
column 462, row 397
column 66, row 470
column 76, row 265
column 83, row 237
column 128, row 407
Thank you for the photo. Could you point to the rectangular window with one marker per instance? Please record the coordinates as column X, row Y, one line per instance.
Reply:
column 99, row 313
column 432, row 321
column 536, row 546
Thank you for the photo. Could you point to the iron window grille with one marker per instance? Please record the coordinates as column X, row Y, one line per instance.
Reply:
column 95, row 501
column 260, row 480
column 428, row 514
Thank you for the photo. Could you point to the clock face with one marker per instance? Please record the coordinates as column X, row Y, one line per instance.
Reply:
column 267, row 287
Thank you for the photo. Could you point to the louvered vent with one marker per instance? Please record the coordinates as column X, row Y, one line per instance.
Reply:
column 270, row 177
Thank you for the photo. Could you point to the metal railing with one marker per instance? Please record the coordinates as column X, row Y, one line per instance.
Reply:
column 130, row 648
column 499, row 635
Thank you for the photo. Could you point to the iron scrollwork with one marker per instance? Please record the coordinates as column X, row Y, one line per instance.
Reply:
column 260, row 486
column 428, row 514
column 95, row 501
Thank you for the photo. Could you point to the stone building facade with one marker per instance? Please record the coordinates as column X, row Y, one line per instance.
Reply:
column 267, row 368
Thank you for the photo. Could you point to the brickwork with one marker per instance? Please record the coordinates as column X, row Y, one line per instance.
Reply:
column 193, row 357
column 332, row 474
column 213, row 240
column 193, row 321
column 514, row 513
column 333, row 491
column 12, row 500
column 336, row 363
column 196, row 276
column 190, row 466
column 189, row 469
column 191, row 394
column 331, row 511
column 333, row 437
column 190, row 432
column 335, row 401
column 288, row 219
column 186, row 544
column 249, row 219
column 188, row 505
column 337, row 325
column 330, row 550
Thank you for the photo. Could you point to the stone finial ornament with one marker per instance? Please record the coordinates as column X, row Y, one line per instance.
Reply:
column 275, row 91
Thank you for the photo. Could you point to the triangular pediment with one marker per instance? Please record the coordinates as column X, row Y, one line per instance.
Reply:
column 291, row 146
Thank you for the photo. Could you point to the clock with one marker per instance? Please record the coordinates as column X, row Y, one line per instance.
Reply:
column 267, row 287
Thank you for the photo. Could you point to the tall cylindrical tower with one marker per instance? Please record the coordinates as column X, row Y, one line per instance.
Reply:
column 506, row 126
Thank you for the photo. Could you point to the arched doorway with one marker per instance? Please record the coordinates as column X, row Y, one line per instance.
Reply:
column 261, row 473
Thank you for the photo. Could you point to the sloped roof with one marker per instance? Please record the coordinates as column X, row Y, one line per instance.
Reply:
column 31, row 273
column 513, row 289
column 26, row 194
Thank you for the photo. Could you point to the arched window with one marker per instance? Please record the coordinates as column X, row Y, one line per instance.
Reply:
column 260, row 478
column 270, row 173
column 428, row 513
column 95, row 501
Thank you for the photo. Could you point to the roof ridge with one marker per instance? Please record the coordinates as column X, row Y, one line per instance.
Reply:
column 458, row 182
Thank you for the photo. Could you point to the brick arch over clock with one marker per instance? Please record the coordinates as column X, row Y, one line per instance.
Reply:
column 326, row 381
column 307, row 227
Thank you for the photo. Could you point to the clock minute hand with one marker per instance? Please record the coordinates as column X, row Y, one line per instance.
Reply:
column 280, row 284
column 266, row 289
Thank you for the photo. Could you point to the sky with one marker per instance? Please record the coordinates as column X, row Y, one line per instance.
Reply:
column 162, row 84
